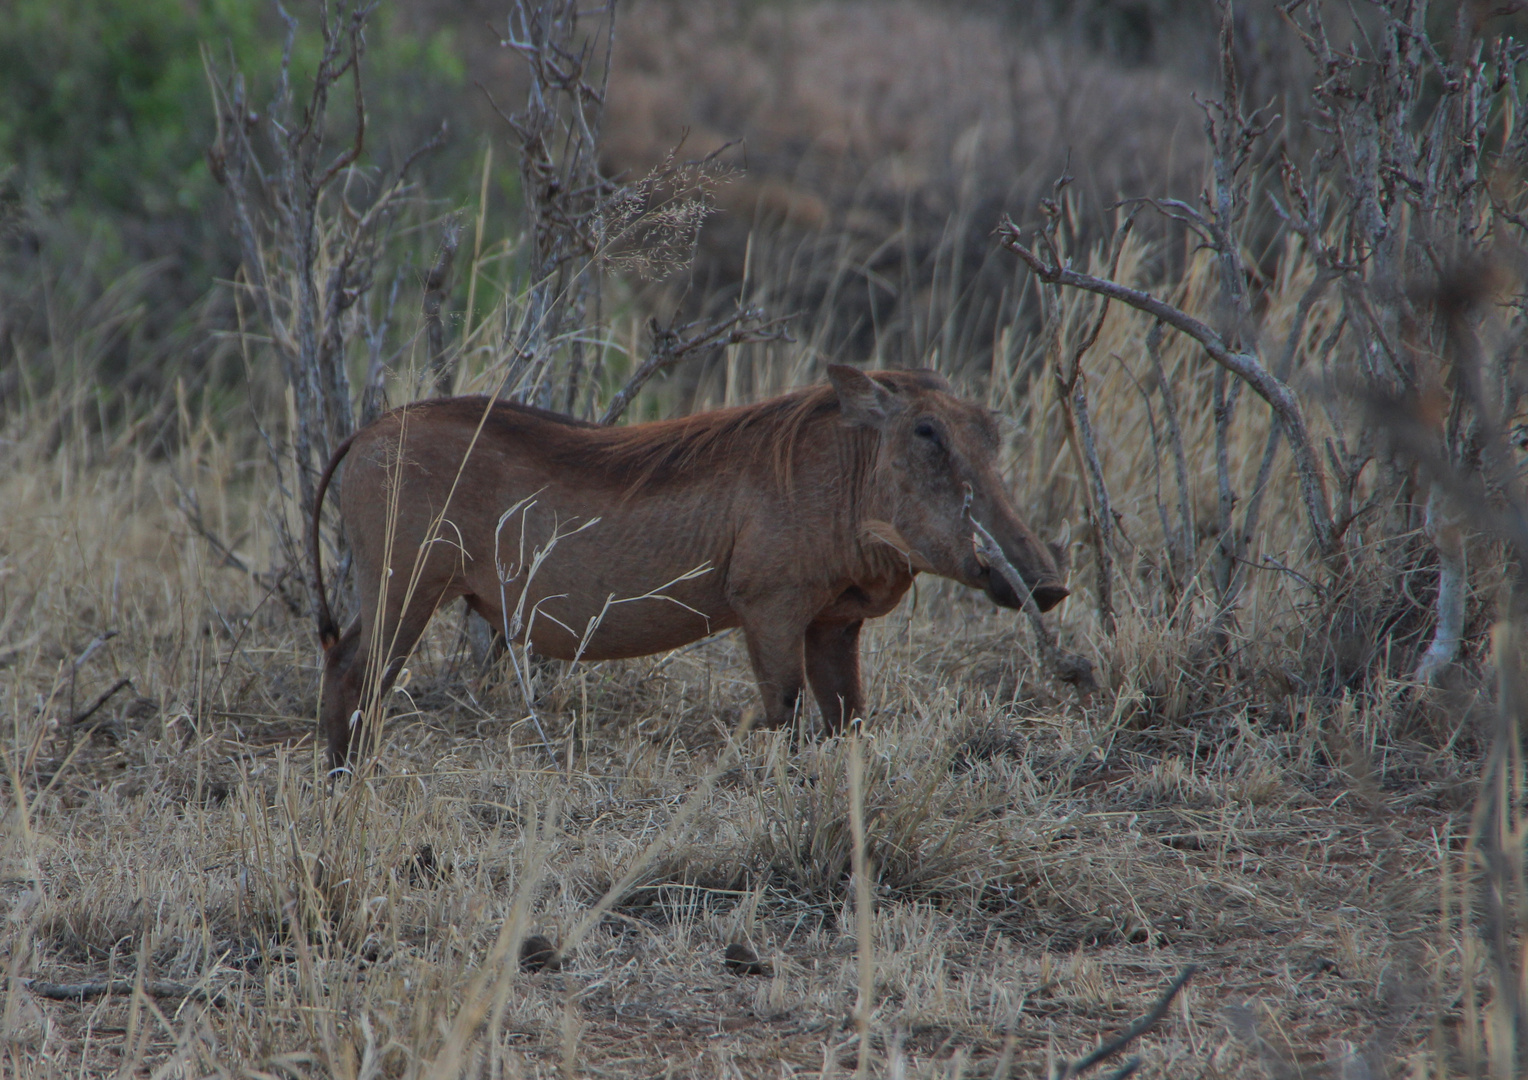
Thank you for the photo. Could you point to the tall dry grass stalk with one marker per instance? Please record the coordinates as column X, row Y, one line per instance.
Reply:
column 864, row 913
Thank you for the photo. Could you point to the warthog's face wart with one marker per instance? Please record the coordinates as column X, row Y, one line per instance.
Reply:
column 936, row 473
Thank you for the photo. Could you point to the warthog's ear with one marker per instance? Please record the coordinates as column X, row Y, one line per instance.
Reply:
column 862, row 400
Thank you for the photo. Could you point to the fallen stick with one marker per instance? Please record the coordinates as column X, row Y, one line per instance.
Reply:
column 85, row 991
column 1068, row 1069
column 102, row 700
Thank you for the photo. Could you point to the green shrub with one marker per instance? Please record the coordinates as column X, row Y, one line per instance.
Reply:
column 105, row 117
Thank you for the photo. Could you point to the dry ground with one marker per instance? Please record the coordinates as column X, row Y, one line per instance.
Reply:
column 1042, row 866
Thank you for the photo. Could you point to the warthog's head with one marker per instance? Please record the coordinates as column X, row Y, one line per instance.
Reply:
column 935, row 474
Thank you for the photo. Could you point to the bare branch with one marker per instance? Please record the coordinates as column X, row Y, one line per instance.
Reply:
column 1071, row 668
column 94, row 988
column 1245, row 365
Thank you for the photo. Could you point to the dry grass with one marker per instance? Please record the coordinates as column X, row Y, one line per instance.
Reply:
column 1041, row 867
column 1259, row 795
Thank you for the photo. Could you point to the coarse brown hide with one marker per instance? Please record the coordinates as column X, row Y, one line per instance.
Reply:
column 796, row 519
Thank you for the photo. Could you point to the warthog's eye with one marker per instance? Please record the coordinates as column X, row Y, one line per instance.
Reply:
column 926, row 430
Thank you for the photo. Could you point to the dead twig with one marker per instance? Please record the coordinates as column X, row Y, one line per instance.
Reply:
column 671, row 344
column 95, row 705
column 1071, row 668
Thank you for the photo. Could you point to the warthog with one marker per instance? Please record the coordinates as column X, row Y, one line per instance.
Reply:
column 796, row 519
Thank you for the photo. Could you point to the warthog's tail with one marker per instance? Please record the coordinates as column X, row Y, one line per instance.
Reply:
column 328, row 632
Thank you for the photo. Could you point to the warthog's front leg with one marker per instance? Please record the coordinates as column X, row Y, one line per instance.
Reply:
column 775, row 648
column 833, row 669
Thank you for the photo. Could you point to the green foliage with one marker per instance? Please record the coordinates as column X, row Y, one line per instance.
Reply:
column 105, row 117
column 105, row 103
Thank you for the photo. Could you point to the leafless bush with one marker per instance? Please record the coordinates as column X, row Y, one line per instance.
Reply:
column 1401, row 416
column 582, row 224
column 1403, row 228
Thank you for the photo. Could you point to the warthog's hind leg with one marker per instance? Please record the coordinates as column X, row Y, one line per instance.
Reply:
column 341, row 693
column 348, row 685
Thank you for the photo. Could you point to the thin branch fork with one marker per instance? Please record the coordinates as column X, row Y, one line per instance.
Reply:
column 1244, row 365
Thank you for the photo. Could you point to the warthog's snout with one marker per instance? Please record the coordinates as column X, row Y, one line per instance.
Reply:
column 1047, row 594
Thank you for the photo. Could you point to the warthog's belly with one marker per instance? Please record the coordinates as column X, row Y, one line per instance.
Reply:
column 614, row 627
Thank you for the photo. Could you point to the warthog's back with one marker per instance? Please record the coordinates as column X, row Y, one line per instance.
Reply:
column 615, row 552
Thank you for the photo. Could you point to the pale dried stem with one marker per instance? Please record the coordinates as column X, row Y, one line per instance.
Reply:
column 1071, row 668
column 1181, row 539
column 864, row 924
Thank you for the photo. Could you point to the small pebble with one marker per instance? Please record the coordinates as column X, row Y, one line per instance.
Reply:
column 539, row 954
column 741, row 960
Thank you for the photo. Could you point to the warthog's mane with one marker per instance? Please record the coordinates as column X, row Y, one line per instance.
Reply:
column 644, row 455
